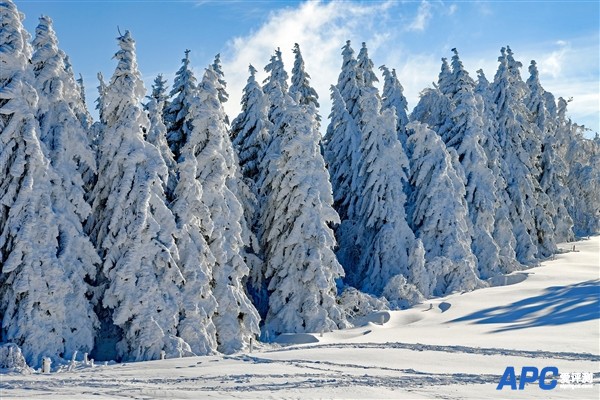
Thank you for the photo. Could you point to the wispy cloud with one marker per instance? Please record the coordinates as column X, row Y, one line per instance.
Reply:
column 552, row 64
column 321, row 29
column 424, row 14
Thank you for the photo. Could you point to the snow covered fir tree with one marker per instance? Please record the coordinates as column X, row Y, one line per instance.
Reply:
column 167, row 228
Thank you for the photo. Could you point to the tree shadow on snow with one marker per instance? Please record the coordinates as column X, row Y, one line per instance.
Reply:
column 558, row 305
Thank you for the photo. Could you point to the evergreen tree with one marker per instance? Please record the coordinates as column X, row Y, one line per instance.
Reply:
column 250, row 135
column 503, row 234
column 552, row 167
column 432, row 109
column 182, row 93
column 584, row 172
column 275, row 84
column 387, row 241
column 445, row 81
column 250, row 130
column 341, row 151
column 393, row 98
column 42, row 272
column 466, row 137
column 235, row 319
column 157, row 136
column 341, row 144
column 297, row 239
column 364, row 68
column 532, row 228
column 300, row 89
column 159, row 91
column 100, row 104
column 194, row 228
column 65, row 139
column 276, row 72
column 349, row 81
column 85, row 118
column 217, row 67
column 132, row 227
column 439, row 214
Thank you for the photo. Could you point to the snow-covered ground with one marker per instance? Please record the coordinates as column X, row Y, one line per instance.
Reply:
column 452, row 347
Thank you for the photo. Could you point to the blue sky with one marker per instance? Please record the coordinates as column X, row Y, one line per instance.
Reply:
column 411, row 36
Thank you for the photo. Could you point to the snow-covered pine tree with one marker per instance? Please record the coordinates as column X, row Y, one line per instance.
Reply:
column 131, row 225
column 65, row 138
column 100, row 103
column 531, row 226
column 157, row 136
column 82, row 112
column 236, row 319
column 297, row 240
column 218, row 68
column 223, row 95
column 250, row 135
column 300, row 90
column 159, row 90
column 387, row 241
column 466, row 137
column 44, row 306
column 439, row 214
column 277, row 79
column 341, row 143
column 503, row 234
column 349, row 81
column 95, row 133
column 364, row 68
column 393, row 98
column 73, row 93
column 196, row 261
column 445, row 81
column 552, row 168
column 432, row 109
column 66, row 144
column 182, row 93
column 250, row 129
column 583, row 178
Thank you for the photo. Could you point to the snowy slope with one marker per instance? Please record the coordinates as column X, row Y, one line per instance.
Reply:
column 454, row 347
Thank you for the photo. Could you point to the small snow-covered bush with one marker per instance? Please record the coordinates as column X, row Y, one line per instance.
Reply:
column 12, row 359
column 401, row 294
column 358, row 304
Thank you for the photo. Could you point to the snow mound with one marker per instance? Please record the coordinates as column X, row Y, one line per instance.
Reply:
column 375, row 318
column 12, row 360
column 296, row 338
column 505, row 280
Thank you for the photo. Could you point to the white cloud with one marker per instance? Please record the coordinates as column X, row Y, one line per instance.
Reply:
column 422, row 18
column 321, row 29
column 552, row 64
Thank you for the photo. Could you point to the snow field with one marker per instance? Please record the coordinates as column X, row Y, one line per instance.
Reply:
column 433, row 350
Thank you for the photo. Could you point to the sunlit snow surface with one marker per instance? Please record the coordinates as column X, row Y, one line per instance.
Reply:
column 452, row 348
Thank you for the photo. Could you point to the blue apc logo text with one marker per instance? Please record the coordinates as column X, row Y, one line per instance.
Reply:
column 529, row 375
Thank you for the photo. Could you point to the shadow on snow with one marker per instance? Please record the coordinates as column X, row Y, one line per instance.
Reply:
column 558, row 305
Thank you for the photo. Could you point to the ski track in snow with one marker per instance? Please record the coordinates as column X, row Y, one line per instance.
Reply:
column 331, row 374
column 454, row 349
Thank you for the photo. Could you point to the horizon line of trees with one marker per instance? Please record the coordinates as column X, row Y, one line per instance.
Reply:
column 166, row 227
